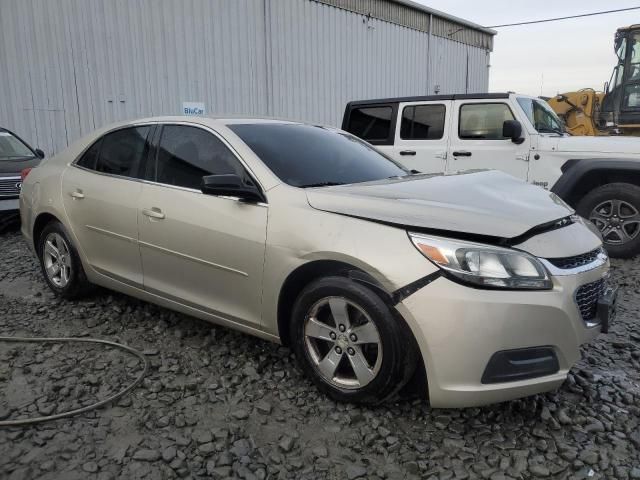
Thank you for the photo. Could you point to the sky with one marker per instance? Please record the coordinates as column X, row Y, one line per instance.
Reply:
column 548, row 58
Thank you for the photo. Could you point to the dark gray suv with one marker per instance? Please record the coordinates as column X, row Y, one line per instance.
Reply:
column 15, row 156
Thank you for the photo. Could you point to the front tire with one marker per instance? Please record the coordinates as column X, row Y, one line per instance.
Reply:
column 349, row 342
column 60, row 263
column 615, row 209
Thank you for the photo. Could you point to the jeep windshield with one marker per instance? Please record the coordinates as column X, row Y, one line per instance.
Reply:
column 310, row 156
column 12, row 148
column 541, row 116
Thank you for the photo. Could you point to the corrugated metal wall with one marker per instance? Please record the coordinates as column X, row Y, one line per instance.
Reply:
column 457, row 68
column 418, row 19
column 70, row 66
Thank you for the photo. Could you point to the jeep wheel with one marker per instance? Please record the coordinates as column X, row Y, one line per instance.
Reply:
column 615, row 210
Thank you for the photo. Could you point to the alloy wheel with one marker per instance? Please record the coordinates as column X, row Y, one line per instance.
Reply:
column 343, row 343
column 57, row 260
column 617, row 220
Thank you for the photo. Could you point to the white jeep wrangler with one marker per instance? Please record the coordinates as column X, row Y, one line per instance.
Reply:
column 520, row 135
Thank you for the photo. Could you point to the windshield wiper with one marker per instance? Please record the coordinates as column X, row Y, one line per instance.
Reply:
column 320, row 184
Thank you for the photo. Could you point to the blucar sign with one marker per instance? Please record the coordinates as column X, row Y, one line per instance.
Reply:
column 193, row 108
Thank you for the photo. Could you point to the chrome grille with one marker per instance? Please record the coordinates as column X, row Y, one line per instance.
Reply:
column 587, row 298
column 577, row 260
column 9, row 186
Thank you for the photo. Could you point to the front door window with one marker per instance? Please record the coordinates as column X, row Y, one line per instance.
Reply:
column 186, row 154
column 483, row 121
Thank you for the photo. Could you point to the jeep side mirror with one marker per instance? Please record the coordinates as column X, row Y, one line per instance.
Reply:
column 231, row 185
column 39, row 153
column 512, row 129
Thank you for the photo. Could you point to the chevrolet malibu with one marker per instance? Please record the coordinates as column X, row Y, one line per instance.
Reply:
column 477, row 287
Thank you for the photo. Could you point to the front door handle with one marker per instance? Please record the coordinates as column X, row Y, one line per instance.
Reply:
column 77, row 194
column 153, row 212
column 461, row 154
column 407, row 152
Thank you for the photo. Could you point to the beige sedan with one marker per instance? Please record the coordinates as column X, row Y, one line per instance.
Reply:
column 471, row 288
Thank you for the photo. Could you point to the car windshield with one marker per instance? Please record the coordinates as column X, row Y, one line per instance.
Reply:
column 11, row 148
column 310, row 156
column 541, row 116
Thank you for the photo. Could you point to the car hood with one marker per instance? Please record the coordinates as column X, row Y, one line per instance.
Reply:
column 13, row 167
column 488, row 203
column 591, row 145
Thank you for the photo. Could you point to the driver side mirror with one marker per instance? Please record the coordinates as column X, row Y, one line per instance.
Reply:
column 231, row 185
column 39, row 153
column 513, row 129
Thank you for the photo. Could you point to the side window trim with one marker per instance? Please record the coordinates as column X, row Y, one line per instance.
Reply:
column 144, row 160
column 75, row 161
column 155, row 135
column 150, row 173
column 481, row 103
column 234, row 152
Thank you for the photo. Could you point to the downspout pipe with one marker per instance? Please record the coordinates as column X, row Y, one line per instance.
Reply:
column 429, row 54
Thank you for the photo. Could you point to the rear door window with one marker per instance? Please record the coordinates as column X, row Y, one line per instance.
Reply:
column 422, row 122
column 373, row 124
column 90, row 158
column 483, row 121
column 122, row 152
column 186, row 154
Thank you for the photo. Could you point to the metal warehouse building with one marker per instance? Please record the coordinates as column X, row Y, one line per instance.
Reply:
column 70, row 66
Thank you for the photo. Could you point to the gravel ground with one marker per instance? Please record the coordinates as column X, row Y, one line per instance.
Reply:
column 220, row 404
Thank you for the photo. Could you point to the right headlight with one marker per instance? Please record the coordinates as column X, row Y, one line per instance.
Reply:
column 484, row 265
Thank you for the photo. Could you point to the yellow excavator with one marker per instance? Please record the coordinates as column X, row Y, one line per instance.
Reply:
column 616, row 110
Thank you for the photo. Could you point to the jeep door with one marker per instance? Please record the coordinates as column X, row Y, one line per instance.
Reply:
column 476, row 140
column 203, row 251
column 420, row 141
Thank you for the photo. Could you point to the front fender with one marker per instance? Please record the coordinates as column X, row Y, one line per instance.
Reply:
column 579, row 176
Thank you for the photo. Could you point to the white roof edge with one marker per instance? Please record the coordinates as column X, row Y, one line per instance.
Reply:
column 438, row 13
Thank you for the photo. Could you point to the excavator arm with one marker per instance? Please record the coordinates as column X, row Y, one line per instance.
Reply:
column 578, row 110
column 617, row 109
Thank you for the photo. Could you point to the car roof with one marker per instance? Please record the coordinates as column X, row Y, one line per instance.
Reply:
column 210, row 121
column 430, row 98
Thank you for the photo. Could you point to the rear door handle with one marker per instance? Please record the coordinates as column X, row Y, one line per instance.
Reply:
column 461, row 154
column 153, row 213
column 407, row 152
column 77, row 194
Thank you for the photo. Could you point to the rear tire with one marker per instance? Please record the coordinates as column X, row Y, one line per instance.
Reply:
column 60, row 263
column 615, row 209
column 348, row 341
